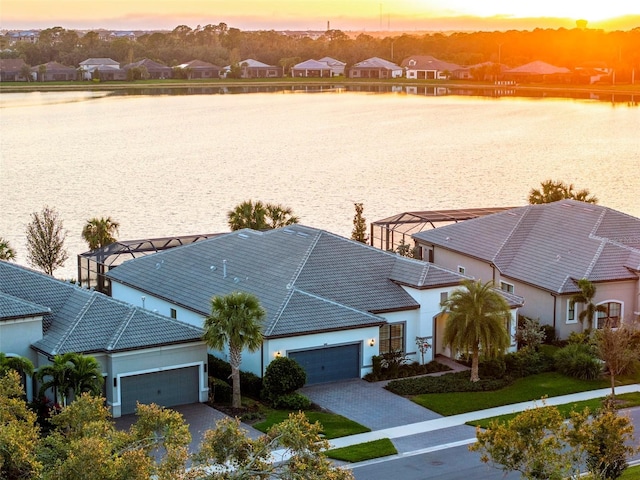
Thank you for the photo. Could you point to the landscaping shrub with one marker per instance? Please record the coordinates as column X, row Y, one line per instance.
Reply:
column 549, row 334
column 528, row 362
column 220, row 390
column 450, row 382
column 406, row 370
column 282, row 377
column 578, row 360
column 250, row 384
column 292, row 401
column 492, row 368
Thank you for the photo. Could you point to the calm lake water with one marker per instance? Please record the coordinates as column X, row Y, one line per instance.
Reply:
column 166, row 165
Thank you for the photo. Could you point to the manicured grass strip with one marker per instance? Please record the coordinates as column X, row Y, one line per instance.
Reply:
column 333, row 426
column 631, row 473
column 524, row 389
column 627, row 400
column 363, row 451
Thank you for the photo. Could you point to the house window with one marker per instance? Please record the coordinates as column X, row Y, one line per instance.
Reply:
column 174, row 313
column 461, row 270
column 610, row 315
column 507, row 287
column 444, row 296
column 571, row 312
column 392, row 337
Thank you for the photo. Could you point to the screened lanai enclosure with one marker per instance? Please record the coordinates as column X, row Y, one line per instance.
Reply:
column 93, row 265
column 396, row 231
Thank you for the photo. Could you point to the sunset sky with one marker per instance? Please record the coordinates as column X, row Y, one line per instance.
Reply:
column 367, row 15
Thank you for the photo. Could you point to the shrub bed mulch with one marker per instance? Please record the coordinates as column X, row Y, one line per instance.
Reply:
column 407, row 370
column 450, row 382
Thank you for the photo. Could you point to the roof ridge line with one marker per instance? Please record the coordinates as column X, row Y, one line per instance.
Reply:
column 526, row 209
column 120, row 330
column 595, row 258
column 333, row 302
column 292, row 282
column 75, row 322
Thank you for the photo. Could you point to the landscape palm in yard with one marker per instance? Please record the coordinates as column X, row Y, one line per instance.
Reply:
column 100, row 232
column 477, row 320
column 6, row 251
column 235, row 321
column 587, row 292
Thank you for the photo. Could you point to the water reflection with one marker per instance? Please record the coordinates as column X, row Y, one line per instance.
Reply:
column 421, row 90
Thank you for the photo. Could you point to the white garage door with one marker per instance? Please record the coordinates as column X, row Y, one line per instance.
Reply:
column 167, row 388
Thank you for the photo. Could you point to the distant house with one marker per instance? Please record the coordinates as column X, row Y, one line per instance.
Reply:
column 539, row 252
column 426, row 67
column 28, row 36
column 155, row 70
column 331, row 303
column 375, row 68
column 592, row 72
column 144, row 357
column 11, row 70
column 103, row 69
column 337, row 67
column 53, row 72
column 199, row 69
column 251, row 68
column 311, row 68
column 538, row 72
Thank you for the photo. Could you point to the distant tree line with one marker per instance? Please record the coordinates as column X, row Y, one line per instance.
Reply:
column 221, row 45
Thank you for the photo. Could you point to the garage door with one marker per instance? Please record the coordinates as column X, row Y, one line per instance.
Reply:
column 329, row 364
column 167, row 388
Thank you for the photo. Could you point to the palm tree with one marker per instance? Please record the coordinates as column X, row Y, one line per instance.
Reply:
column 235, row 321
column 100, row 232
column 552, row 191
column 85, row 375
column 6, row 251
column 477, row 319
column 58, row 372
column 260, row 216
column 585, row 296
column 22, row 365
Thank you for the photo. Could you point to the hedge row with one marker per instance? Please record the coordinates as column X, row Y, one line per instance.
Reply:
column 450, row 382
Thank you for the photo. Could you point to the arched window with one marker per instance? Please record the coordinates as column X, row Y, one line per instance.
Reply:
column 610, row 315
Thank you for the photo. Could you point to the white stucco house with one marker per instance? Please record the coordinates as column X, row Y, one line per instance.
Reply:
column 331, row 303
column 539, row 252
column 145, row 357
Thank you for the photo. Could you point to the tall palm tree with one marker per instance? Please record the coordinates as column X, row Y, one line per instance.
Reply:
column 6, row 251
column 85, row 375
column 58, row 373
column 100, row 232
column 585, row 296
column 260, row 216
column 235, row 321
column 477, row 320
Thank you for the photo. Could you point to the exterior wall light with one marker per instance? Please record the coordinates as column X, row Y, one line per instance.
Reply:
column 278, row 354
column 372, row 342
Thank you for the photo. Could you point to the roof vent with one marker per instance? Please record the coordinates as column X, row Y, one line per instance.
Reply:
column 288, row 230
column 302, row 234
column 213, row 268
column 236, row 280
column 243, row 235
column 224, row 269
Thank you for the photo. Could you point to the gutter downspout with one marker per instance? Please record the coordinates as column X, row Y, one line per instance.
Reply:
column 555, row 301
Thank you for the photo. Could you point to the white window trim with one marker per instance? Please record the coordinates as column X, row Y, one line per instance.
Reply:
column 575, row 313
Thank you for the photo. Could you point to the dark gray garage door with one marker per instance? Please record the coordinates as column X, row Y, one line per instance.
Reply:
column 329, row 364
column 167, row 388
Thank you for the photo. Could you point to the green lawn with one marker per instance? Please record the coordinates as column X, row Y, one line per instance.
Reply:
column 333, row 426
column 529, row 388
column 631, row 473
column 628, row 400
column 363, row 451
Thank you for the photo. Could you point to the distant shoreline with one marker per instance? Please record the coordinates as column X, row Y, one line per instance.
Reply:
column 12, row 87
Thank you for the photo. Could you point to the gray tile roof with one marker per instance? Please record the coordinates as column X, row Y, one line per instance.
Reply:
column 377, row 62
column 84, row 321
column 12, row 307
column 549, row 245
column 296, row 272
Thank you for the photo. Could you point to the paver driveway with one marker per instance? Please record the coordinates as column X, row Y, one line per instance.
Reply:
column 367, row 403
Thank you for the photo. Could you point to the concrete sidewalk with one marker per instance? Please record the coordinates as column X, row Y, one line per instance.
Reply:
column 415, row 429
